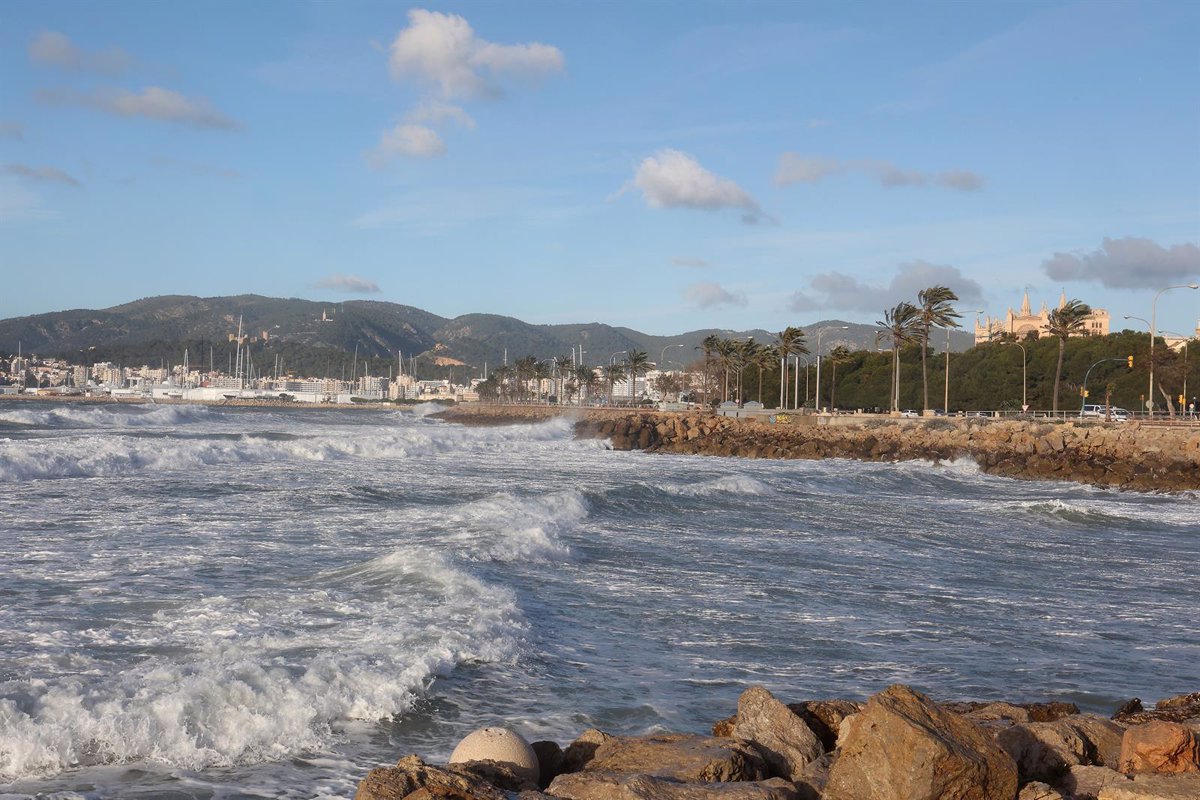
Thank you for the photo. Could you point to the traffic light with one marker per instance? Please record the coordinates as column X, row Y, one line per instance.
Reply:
column 1131, row 362
column 1181, row 400
column 1083, row 392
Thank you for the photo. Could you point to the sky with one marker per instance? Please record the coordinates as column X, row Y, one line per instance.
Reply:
column 666, row 166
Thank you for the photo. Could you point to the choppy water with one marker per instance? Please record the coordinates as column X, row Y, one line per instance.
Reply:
column 200, row 602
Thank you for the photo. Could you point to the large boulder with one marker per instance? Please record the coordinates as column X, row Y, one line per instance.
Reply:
column 680, row 757
column 824, row 717
column 1085, row 783
column 903, row 746
column 1155, row 787
column 1046, row 750
column 411, row 774
column 1039, row 791
column 777, row 732
column 502, row 745
column 583, row 749
column 1158, row 746
column 550, row 761
column 593, row 785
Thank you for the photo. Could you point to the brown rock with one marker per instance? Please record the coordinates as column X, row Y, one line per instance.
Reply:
column 1085, row 783
column 1155, row 787
column 412, row 774
column 1045, row 750
column 824, row 717
column 1173, row 709
column 1164, row 747
column 901, row 745
column 1038, row 791
column 583, row 749
column 593, row 785
column 550, row 761
column 680, row 757
column 724, row 727
column 777, row 732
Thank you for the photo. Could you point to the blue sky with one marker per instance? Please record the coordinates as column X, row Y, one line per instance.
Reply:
column 666, row 166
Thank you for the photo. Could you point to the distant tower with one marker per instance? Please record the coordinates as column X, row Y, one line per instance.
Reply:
column 1062, row 299
column 1026, row 311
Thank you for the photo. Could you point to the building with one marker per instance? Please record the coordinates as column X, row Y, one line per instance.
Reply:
column 1025, row 324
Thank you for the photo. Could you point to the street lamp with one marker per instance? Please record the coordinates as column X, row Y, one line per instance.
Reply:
column 1153, row 312
column 796, row 388
column 663, row 354
column 946, row 399
column 612, row 358
column 1024, row 383
column 820, row 331
column 1149, row 327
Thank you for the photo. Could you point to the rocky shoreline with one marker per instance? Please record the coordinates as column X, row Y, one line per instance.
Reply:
column 1132, row 455
column 897, row 745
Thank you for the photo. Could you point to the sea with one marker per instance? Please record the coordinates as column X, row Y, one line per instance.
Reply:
column 211, row 602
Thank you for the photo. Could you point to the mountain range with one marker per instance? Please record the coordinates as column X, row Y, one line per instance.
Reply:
column 373, row 329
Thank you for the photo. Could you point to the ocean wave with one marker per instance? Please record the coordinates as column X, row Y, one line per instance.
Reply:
column 84, row 456
column 725, row 485
column 108, row 416
column 265, row 678
column 506, row 527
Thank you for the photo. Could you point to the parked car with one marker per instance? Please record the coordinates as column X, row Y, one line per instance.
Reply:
column 908, row 412
column 1099, row 412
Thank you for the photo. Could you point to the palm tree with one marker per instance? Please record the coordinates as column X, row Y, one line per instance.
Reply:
column 586, row 379
column 899, row 324
column 788, row 342
column 523, row 373
column 710, row 346
column 763, row 356
column 563, row 366
column 838, row 355
column 637, row 364
column 935, row 312
column 726, row 351
column 612, row 374
column 541, row 372
column 1065, row 321
column 502, row 376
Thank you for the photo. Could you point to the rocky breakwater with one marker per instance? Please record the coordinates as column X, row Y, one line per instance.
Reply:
column 898, row 745
column 1128, row 456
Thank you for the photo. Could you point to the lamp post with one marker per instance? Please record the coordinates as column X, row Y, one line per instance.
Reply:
column 946, row 399
column 663, row 354
column 1150, row 328
column 1153, row 312
column 1024, row 383
column 820, row 331
column 796, row 388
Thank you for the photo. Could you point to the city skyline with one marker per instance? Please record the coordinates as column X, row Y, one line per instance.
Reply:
column 734, row 166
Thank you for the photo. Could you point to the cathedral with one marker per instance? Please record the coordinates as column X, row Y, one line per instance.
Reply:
column 1025, row 324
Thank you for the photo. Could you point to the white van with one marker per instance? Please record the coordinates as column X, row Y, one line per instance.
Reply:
column 1099, row 412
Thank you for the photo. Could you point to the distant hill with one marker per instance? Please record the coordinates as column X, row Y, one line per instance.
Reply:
column 159, row 327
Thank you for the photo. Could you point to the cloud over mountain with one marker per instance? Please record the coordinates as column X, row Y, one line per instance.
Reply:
column 709, row 295
column 672, row 179
column 837, row 290
column 348, row 284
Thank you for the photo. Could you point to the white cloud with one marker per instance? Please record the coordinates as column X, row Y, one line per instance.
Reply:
column 19, row 204
column 837, row 290
column 53, row 49
column 411, row 141
column 435, row 112
column 795, row 168
column 443, row 50
column 1129, row 263
column 11, row 130
column 44, row 174
column 707, row 295
column 671, row 179
column 348, row 284
column 152, row 102
column 683, row 261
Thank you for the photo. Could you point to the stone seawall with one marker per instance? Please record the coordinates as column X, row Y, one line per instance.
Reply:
column 1128, row 456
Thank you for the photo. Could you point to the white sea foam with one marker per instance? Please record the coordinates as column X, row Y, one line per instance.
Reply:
column 507, row 527
column 106, row 455
column 265, row 677
column 725, row 485
column 101, row 416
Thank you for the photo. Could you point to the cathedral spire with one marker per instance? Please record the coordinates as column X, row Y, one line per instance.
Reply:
column 1025, row 311
column 1062, row 299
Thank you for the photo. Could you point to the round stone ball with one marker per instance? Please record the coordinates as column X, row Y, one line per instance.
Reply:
column 498, row 744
